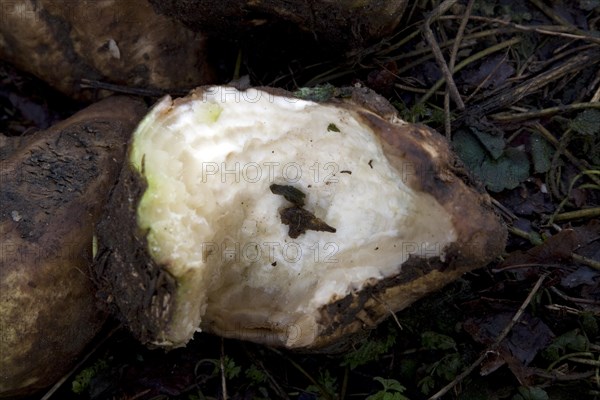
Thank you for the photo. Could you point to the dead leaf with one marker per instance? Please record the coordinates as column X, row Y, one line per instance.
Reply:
column 584, row 240
column 527, row 200
column 491, row 73
column 529, row 336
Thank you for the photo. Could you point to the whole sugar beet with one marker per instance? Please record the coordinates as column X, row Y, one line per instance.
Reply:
column 54, row 185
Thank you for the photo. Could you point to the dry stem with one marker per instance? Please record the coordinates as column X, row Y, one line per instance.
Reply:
column 496, row 343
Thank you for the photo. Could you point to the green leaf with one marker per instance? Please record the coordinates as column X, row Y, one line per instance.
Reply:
column 392, row 390
column 541, row 153
column 531, row 393
column 255, row 375
column 83, row 379
column 469, row 149
column 504, row 172
column 436, row 341
column 369, row 351
column 230, row 369
column 587, row 122
column 449, row 366
column 507, row 172
column 494, row 144
column 426, row 384
column 572, row 340
column 420, row 113
column 328, row 384
column 387, row 396
column 589, row 323
column 390, row 384
column 318, row 93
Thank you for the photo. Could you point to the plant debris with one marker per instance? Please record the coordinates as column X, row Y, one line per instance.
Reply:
column 297, row 218
column 300, row 220
column 290, row 193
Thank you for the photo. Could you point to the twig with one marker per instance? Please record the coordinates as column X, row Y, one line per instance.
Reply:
column 570, row 357
column 389, row 309
column 405, row 39
column 532, row 237
column 546, row 112
column 496, row 343
column 508, row 213
column 272, row 381
column 555, row 375
column 467, row 61
column 596, row 96
column 550, row 13
column 222, row 365
column 451, row 64
column 552, row 30
column 589, row 173
column 312, row 380
column 349, row 68
column 584, row 213
column 91, row 84
column 413, row 89
column 469, row 39
column 459, row 35
column 344, row 388
column 238, row 65
column 324, row 77
column 518, row 92
column 563, row 309
column 550, row 138
column 437, row 52
column 593, row 363
column 140, row 394
column 555, row 171
column 586, row 261
column 527, row 265
column 573, row 299
column 487, row 78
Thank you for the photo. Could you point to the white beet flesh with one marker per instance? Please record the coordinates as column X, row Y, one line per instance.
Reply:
column 212, row 220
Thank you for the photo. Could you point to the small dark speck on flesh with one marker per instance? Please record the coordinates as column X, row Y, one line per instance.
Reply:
column 346, row 172
column 371, row 164
column 332, row 128
column 274, row 264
